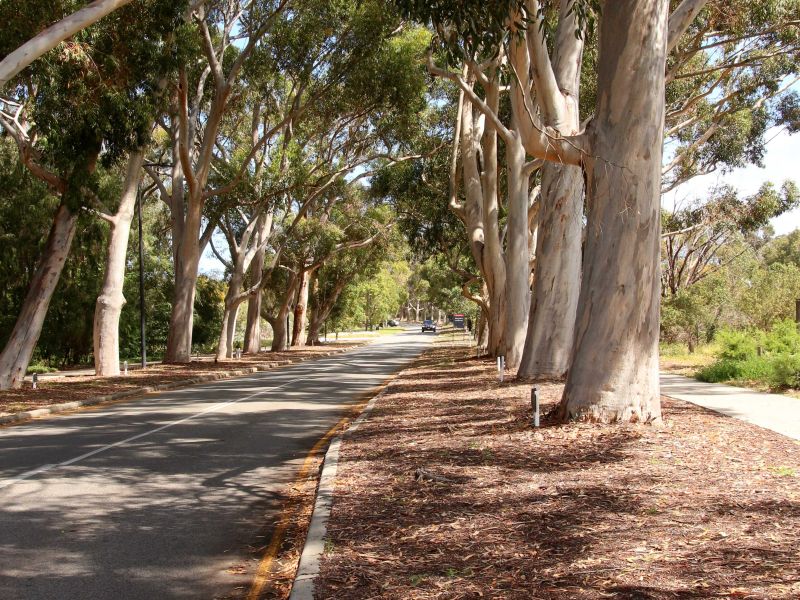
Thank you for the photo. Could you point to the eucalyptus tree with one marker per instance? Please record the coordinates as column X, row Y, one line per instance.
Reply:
column 614, row 361
column 90, row 102
column 697, row 237
column 432, row 228
column 730, row 79
column 226, row 35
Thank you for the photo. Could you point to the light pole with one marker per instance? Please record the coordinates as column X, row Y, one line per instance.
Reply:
column 142, row 320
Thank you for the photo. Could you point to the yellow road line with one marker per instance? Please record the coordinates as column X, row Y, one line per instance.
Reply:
column 265, row 566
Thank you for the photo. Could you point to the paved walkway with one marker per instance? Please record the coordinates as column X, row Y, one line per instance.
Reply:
column 770, row 411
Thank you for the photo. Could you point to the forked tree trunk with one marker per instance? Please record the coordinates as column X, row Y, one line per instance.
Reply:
column 322, row 311
column 301, row 310
column 551, row 326
column 614, row 372
column 111, row 300
column 16, row 355
column 517, row 255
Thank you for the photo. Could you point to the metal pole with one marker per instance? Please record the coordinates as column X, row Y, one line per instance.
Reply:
column 535, row 405
column 142, row 318
column 288, row 332
column 797, row 311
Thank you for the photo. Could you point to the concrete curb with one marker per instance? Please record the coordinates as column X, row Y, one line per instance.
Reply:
column 308, row 569
column 54, row 409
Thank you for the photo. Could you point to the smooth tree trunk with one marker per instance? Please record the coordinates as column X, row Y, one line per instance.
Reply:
column 252, row 330
column 556, row 285
column 301, row 310
column 280, row 332
column 16, row 354
column 614, row 371
column 518, row 290
column 554, row 302
column 111, row 299
column 230, row 311
column 493, row 260
column 179, row 338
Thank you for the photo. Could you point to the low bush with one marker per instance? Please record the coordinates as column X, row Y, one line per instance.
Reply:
column 737, row 345
column 777, row 364
column 754, row 368
column 785, row 371
column 39, row 369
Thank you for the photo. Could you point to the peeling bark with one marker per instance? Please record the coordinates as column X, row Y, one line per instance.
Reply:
column 614, row 373
column 16, row 355
column 551, row 326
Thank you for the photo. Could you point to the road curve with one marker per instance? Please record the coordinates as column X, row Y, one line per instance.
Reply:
column 163, row 497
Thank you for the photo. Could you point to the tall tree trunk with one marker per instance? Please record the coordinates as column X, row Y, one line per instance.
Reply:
column 300, row 310
column 551, row 326
column 231, row 310
column 16, row 355
column 518, row 290
column 111, row 300
column 614, row 372
column 179, row 338
column 556, row 287
column 493, row 262
column 279, row 331
column 252, row 331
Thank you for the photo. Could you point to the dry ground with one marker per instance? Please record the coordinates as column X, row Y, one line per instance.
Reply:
column 55, row 390
column 704, row 507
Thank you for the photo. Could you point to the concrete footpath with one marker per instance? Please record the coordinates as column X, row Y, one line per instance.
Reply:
column 770, row 411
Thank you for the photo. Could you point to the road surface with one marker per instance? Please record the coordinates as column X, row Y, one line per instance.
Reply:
column 167, row 496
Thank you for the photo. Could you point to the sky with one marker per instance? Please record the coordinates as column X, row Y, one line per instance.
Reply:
column 782, row 162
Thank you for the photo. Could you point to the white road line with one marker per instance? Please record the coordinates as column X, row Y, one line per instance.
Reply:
column 45, row 468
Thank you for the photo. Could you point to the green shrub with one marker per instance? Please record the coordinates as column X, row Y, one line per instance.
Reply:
column 722, row 370
column 784, row 371
column 737, row 345
column 783, row 338
column 39, row 369
column 754, row 368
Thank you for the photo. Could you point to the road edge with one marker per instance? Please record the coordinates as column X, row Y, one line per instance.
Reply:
column 26, row 416
column 314, row 546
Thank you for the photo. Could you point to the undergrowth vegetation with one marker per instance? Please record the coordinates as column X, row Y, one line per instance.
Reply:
column 768, row 357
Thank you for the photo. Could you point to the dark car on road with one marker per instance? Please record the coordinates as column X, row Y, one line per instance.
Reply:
column 428, row 325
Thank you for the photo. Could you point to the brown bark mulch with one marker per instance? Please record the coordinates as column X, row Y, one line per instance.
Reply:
column 56, row 390
column 704, row 507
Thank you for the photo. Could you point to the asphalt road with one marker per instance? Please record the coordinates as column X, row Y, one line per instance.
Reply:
column 166, row 496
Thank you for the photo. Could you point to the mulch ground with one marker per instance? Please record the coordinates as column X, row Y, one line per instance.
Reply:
column 704, row 507
column 55, row 390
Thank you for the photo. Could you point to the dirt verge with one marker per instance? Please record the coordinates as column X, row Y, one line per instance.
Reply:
column 704, row 507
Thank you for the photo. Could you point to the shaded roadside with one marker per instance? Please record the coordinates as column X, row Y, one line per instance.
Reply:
column 57, row 390
column 707, row 506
